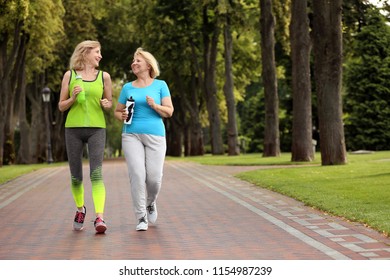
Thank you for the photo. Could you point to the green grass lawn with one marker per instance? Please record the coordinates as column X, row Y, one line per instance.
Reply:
column 358, row 191
column 244, row 159
column 9, row 172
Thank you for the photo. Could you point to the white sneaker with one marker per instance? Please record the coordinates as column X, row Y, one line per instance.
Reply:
column 152, row 212
column 142, row 224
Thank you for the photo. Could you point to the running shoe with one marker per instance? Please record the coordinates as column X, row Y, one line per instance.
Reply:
column 79, row 218
column 142, row 224
column 100, row 225
column 152, row 213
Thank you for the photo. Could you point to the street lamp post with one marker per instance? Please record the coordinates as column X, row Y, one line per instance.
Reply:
column 46, row 99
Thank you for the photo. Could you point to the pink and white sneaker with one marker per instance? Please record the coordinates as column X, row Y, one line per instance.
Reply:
column 78, row 222
column 100, row 225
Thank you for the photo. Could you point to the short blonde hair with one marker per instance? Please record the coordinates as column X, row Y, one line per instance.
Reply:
column 77, row 60
column 149, row 58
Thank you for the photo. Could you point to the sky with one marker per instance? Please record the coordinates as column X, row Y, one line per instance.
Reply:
column 375, row 2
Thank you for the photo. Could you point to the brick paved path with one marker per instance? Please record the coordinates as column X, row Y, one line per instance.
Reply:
column 204, row 213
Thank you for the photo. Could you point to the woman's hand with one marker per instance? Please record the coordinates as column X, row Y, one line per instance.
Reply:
column 105, row 103
column 125, row 114
column 151, row 102
column 76, row 91
column 120, row 112
column 165, row 110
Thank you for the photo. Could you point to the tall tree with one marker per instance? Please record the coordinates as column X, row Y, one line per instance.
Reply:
column 327, row 46
column 184, row 53
column 300, row 55
column 41, row 36
column 367, row 102
column 194, row 144
column 271, row 131
column 211, row 30
column 13, row 14
column 228, row 88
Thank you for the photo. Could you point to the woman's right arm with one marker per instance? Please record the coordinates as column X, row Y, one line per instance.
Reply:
column 65, row 100
column 120, row 112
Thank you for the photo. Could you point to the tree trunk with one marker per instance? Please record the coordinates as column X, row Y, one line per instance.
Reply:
column 24, row 154
column 210, row 87
column 195, row 142
column 58, row 135
column 175, row 126
column 302, row 146
column 271, row 130
column 7, row 80
column 327, row 45
column 38, row 140
column 194, row 145
column 174, row 138
column 232, row 133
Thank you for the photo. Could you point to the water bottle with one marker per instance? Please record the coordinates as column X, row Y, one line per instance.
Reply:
column 79, row 82
column 130, row 110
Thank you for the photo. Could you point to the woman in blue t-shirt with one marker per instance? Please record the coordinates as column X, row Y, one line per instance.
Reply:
column 143, row 134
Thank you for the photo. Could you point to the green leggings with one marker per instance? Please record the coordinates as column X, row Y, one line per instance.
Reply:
column 95, row 139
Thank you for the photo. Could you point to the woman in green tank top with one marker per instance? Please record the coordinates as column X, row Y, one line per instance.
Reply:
column 85, row 98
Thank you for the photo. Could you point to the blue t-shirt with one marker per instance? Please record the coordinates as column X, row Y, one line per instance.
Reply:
column 145, row 119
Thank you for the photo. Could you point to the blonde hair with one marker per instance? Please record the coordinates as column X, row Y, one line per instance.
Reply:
column 149, row 58
column 77, row 60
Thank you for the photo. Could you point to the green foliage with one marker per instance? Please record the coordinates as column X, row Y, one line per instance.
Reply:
column 45, row 32
column 78, row 23
column 282, row 12
column 367, row 102
column 252, row 113
column 10, row 12
column 119, row 37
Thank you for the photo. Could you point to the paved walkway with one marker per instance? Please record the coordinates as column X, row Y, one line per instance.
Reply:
column 205, row 213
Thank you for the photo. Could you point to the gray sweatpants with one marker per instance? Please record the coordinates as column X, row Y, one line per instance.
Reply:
column 145, row 156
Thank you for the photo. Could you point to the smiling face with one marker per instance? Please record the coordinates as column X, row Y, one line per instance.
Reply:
column 139, row 65
column 93, row 57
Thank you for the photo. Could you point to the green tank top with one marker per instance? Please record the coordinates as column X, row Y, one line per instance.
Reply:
column 89, row 113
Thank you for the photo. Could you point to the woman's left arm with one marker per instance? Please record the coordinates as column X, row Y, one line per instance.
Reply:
column 165, row 110
column 106, row 101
